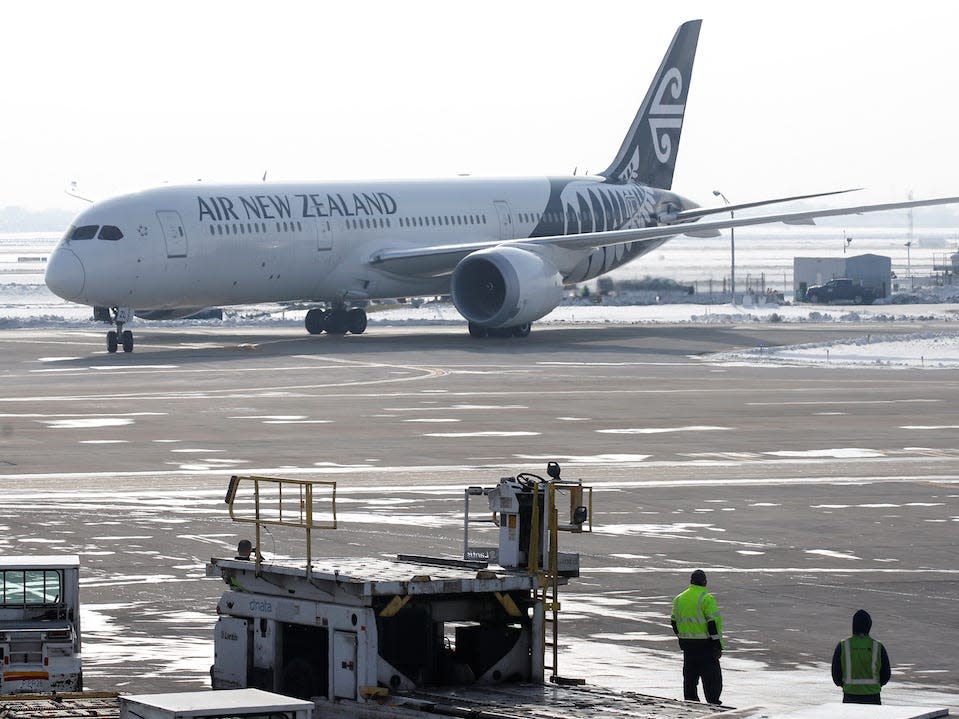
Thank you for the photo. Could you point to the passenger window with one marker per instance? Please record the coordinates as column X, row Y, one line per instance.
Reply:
column 86, row 232
column 109, row 232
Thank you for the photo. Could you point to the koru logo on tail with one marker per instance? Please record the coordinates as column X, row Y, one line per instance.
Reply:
column 665, row 115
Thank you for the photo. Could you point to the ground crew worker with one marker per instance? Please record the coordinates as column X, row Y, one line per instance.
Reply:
column 699, row 626
column 860, row 664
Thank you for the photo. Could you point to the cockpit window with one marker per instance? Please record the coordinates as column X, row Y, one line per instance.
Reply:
column 85, row 232
column 109, row 232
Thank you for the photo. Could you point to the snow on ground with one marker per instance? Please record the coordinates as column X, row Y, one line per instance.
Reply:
column 31, row 304
column 930, row 350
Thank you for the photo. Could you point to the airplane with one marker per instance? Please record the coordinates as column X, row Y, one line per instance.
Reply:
column 503, row 248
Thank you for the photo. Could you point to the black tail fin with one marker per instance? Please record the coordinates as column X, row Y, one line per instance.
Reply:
column 648, row 154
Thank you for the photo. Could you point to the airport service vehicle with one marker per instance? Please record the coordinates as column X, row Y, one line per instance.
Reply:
column 503, row 248
column 40, row 624
column 841, row 290
column 477, row 632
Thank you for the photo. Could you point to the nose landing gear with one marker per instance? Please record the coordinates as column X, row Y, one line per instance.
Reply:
column 119, row 336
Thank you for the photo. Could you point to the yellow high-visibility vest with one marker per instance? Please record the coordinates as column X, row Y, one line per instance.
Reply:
column 692, row 612
column 861, row 659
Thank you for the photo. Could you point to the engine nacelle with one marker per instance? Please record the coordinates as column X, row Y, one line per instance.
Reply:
column 505, row 287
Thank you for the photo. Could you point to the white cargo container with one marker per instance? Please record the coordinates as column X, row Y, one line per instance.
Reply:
column 239, row 703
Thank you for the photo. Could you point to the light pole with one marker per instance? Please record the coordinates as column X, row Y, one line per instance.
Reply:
column 909, row 264
column 732, row 249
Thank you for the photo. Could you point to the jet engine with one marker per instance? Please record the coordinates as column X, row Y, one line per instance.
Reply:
column 505, row 287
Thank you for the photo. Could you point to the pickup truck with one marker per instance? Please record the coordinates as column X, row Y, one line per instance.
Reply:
column 841, row 290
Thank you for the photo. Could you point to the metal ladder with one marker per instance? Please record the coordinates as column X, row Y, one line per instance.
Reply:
column 547, row 591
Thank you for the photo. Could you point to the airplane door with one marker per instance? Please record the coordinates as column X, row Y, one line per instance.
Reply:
column 173, row 232
column 344, row 665
column 324, row 236
column 505, row 220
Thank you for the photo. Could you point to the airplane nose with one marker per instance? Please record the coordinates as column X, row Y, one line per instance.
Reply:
column 65, row 275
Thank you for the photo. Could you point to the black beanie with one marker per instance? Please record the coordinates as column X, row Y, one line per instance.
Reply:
column 861, row 622
column 698, row 578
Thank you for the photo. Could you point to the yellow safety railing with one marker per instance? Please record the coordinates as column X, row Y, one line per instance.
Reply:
column 305, row 504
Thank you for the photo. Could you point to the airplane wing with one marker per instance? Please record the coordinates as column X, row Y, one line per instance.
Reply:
column 699, row 212
column 441, row 259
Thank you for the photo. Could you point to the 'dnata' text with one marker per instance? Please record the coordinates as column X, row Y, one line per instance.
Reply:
column 298, row 206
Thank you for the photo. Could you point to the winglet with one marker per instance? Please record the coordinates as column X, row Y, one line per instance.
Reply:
column 648, row 153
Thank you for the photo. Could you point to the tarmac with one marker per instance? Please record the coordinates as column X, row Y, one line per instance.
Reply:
column 805, row 493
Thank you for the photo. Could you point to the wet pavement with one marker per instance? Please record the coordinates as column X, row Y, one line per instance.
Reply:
column 804, row 492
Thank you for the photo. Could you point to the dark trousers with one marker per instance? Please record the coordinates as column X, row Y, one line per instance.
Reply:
column 860, row 699
column 699, row 662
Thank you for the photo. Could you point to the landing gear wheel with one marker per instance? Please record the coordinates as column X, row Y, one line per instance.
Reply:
column 857, row 300
column 337, row 322
column 522, row 330
column 477, row 331
column 120, row 316
column 356, row 320
column 315, row 321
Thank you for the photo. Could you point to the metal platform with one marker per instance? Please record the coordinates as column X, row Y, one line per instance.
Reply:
column 520, row 701
column 370, row 577
column 92, row 705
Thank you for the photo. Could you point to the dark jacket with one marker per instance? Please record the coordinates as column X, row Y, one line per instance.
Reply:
column 861, row 624
column 884, row 670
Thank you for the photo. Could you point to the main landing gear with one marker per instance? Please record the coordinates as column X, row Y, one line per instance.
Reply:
column 522, row 330
column 119, row 336
column 336, row 321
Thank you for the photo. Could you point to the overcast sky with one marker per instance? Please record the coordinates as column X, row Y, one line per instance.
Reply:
column 785, row 97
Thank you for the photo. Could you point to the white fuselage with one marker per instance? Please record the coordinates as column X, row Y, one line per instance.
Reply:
column 204, row 245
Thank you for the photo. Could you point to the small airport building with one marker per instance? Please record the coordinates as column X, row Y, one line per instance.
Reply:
column 873, row 271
